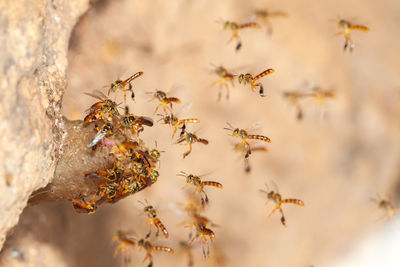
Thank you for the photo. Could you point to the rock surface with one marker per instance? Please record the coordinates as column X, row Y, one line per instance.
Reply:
column 34, row 43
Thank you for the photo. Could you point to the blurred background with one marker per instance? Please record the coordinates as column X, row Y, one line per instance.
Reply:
column 343, row 152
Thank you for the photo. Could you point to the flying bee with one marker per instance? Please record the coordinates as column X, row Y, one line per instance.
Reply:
column 248, row 78
column 149, row 247
column 225, row 77
column 112, row 175
column 265, row 17
column 242, row 133
column 190, row 138
column 242, row 149
column 121, row 85
column 294, row 97
column 277, row 198
column 135, row 123
column 104, row 109
column 124, row 243
column 199, row 185
column 106, row 130
column 172, row 120
column 320, row 95
column 202, row 232
column 235, row 27
column 85, row 206
column 345, row 27
column 385, row 205
column 153, row 219
column 165, row 101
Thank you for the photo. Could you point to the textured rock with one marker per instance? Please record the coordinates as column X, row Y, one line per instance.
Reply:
column 34, row 42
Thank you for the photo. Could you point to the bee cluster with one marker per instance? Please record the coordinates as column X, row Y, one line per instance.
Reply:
column 135, row 166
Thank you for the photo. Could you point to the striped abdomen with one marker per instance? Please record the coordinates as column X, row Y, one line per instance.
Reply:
column 262, row 74
column 359, row 27
column 211, row 183
column 172, row 99
column 249, row 25
column 188, row 121
column 159, row 225
column 293, row 201
column 204, row 231
column 259, row 137
column 203, row 141
column 145, row 121
column 134, row 76
column 163, row 249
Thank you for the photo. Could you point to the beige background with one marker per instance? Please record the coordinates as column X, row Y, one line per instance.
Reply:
column 342, row 153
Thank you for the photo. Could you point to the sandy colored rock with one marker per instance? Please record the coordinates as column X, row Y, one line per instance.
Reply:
column 34, row 44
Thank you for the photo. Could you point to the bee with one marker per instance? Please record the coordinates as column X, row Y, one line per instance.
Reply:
column 265, row 16
column 294, row 97
column 88, row 207
column 135, row 123
column 190, row 138
column 172, row 120
column 242, row 149
column 320, row 95
column 153, row 219
column 106, row 130
column 109, row 190
column 235, row 27
column 104, row 109
column 202, row 232
column 112, row 175
column 165, row 101
column 345, row 27
column 121, row 85
column 225, row 77
column 149, row 247
column 199, row 185
column 124, row 243
column 385, row 205
column 236, row 132
column 277, row 198
column 248, row 78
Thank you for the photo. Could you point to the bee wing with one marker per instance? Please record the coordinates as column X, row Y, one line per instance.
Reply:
column 274, row 186
column 97, row 94
column 256, row 126
column 100, row 135
column 184, row 110
column 175, row 208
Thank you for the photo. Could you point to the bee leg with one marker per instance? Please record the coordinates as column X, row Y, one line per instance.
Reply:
column 269, row 29
column 238, row 46
column 188, row 152
column 283, row 220
column 158, row 232
column 133, row 96
column 157, row 108
column 261, row 92
column 247, row 168
column 183, row 130
column 227, row 91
